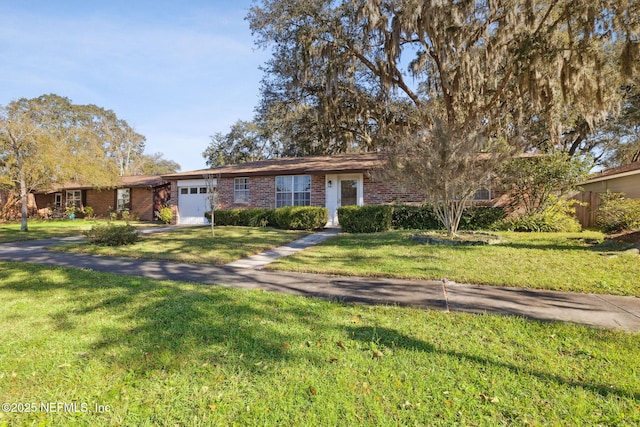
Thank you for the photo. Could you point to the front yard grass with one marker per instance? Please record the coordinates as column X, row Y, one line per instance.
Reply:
column 38, row 229
column 196, row 245
column 167, row 353
column 557, row 261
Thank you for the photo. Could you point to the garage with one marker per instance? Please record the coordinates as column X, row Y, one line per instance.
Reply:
column 192, row 201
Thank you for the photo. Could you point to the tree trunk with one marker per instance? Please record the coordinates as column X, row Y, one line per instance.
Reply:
column 24, row 209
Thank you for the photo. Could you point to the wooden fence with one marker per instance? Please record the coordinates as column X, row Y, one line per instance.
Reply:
column 586, row 214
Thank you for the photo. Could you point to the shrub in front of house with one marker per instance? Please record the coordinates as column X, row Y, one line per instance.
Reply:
column 481, row 217
column 617, row 213
column 255, row 217
column 415, row 218
column 88, row 212
column 557, row 218
column 424, row 218
column 112, row 235
column 262, row 218
column 301, row 217
column 165, row 214
column 225, row 217
column 365, row 219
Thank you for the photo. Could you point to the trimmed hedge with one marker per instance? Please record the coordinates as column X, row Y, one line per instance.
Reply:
column 225, row 217
column 481, row 217
column 288, row 217
column 415, row 218
column 301, row 217
column 424, row 218
column 365, row 219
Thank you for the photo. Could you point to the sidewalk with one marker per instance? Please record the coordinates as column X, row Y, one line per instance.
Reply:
column 604, row 311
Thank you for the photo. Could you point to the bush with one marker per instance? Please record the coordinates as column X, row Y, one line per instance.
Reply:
column 617, row 213
column 112, row 235
column 365, row 219
column 288, row 218
column 266, row 218
column 225, row 217
column 415, row 218
column 254, row 217
column 300, row 217
column 88, row 212
column 480, row 217
column 165, row 214
column 424, row 218
column 555, row 219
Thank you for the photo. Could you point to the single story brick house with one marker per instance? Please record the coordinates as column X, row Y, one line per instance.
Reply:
column 141, row 195
column 623, row 179
column 326, row 181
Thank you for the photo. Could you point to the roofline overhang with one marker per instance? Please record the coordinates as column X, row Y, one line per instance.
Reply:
column 609, row 177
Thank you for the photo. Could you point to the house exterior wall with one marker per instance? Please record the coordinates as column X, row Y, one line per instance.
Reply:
column 629, row 185
column 102, row 201
column 262, row 192
column 142, row 203
column 380, row 193
column 589, row 198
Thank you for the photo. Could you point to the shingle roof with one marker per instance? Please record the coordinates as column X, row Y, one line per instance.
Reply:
column 630, row 169
column 125, row 181
column 342, row 163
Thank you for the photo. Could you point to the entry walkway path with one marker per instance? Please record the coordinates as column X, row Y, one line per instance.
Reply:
column 605, row 311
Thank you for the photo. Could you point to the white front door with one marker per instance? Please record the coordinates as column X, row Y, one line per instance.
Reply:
column 342, row 190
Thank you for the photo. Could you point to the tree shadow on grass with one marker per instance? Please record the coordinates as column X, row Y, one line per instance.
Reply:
column 392, row 338
column 161, row 325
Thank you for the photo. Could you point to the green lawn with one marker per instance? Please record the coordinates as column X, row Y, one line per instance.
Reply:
column 155, row 353
column 10, row 232
column 196, row 245
column 565, row 262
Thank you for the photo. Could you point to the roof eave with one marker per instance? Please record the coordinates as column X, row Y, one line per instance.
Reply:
column 609, row 177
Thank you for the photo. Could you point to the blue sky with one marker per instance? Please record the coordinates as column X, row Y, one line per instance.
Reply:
column 177, row 71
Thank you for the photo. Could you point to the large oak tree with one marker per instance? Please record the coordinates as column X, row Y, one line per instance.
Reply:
column 476, row 73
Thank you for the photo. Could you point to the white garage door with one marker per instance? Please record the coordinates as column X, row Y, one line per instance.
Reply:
column 192, row 202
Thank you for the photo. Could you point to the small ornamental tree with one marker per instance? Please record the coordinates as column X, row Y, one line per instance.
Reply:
column 211, row 182
column 447, row 166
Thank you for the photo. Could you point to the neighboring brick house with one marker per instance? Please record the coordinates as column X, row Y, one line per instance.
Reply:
column 623, row 179
column 327, row 181
column 142, row 196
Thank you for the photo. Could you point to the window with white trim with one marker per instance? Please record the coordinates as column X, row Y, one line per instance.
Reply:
column 293, row 190
column 241, row 190
column 123, row 199
column 482, row 194
column 74, row 198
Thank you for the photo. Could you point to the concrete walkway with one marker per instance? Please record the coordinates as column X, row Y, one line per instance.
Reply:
column 266, row 258
column 604, row 311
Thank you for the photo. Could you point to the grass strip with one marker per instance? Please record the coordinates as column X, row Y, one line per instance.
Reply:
column 143, row 352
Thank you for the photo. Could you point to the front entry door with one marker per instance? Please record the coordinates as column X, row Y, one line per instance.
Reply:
column 348, row 192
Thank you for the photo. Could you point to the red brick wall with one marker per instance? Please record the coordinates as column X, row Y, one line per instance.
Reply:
column 142, row 203
column 173, row 201
column 102, row 201
column 380, row 193
column 318, row 190
column 262, row 192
